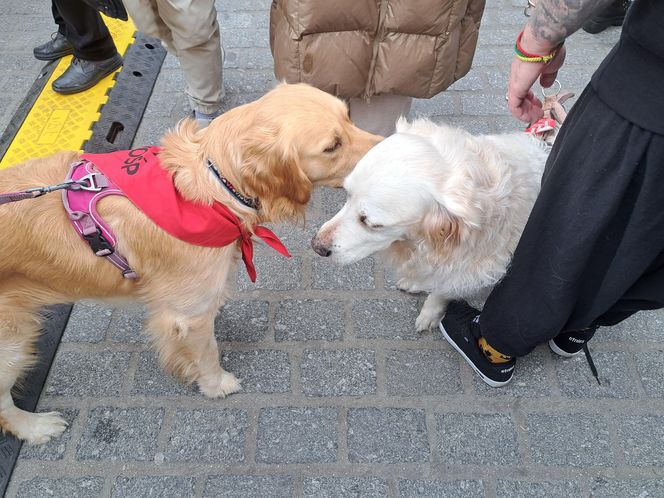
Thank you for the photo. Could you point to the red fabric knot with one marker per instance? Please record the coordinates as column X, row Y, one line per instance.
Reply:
column 150, row 188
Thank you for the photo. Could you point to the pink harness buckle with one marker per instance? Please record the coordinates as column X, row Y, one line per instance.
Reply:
column 81, row 207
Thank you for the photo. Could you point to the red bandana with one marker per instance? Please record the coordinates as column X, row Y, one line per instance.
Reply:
column 140, row 177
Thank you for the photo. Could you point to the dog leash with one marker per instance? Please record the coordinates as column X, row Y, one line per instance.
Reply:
column 547, row 126
column 89, row 182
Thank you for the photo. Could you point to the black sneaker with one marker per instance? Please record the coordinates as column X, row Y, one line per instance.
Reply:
column 460, row 327
column 571, row 343
column 612, row 15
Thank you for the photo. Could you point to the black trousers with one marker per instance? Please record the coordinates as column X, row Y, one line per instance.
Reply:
column 84, row 28
column 592, row 251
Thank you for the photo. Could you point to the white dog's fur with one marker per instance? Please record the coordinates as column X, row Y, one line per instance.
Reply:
column 446, row 207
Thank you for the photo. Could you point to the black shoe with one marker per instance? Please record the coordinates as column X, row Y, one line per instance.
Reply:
column 612, row 15
column 460, row 326
column 571, row 343
column 58, row 47
column 82, row 74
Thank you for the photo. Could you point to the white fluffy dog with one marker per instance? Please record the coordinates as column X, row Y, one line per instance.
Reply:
column 446, row 207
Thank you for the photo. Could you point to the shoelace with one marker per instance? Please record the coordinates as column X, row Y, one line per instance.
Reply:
column 590, row 361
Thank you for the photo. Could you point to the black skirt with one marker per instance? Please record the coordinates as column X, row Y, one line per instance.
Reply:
column 592, row 251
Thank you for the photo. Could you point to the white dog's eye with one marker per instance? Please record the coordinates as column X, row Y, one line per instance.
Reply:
column 363, row 220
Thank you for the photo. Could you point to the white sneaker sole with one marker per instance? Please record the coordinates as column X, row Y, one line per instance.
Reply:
column 486, row 379
column 561, row 352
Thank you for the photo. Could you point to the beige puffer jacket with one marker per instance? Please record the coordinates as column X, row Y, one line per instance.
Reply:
column 359, row 48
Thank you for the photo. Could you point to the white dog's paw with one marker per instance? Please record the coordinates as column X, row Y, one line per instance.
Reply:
column 35, row 428
column 428, row 319
column 220, row 386
column 403, row 284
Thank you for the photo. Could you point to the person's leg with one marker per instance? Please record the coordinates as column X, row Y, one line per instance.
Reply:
column 197, row 43
column 145, row 15
column 85, row 30
column 379, row 114
column 595, row 229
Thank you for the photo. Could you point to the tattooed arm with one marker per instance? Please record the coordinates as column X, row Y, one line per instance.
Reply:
column 549, row 25
column 555, row 20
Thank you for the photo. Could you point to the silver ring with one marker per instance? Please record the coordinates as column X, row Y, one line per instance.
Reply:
column 552, row 86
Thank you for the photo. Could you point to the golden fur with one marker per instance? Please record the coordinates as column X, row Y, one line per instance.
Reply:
column 276, row 148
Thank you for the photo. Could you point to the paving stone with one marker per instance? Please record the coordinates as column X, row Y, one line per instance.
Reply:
column 274, row 272
column 627, row 488
column 248, row 58
column 307, row 320
column 242, row 321
column 530, row 378
column 296, row 238
column 297, row 435
column 472, row 124
column 644, row 326
column 329, row 202
column 642, row 439
column 650, row 366
column 207, row 436
column 332, row 487
column 245, row 38
column 441, row 489
column 248, row 487
column 422, row 372
column 154, row 487
column 358, row 276
column 238, row 81
column 345, row 372
column 443, row 104
column 546, row 489
column 120, row 434
column 478, row 438
column 481, row 105
column 385, row 319
column 577, row 381
column 471, row 81
column 88, row 322
column 83, row 487
column 151, row 380
column 243, row 20
column 261, row 371
column 55, row 448
column 87, row 374
column 390, row 435
column 574, row 440
column 127, row 325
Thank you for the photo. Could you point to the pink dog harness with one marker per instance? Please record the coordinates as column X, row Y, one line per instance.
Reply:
column 81, row 207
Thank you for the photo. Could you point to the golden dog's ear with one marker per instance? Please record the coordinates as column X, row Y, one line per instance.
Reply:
column 271, row 169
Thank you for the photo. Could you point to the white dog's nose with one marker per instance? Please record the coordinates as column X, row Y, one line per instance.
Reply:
column 320, row 248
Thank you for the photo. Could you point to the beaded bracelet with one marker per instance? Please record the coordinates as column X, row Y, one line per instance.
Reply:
column 524, row 56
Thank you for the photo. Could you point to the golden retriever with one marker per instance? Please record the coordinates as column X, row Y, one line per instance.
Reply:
column 447, row 209
column 276, row 148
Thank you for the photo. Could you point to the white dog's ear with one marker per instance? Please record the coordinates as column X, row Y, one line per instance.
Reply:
column 459, row 207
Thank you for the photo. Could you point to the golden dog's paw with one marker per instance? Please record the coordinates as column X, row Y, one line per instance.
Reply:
column 220, row 386
column 35, row 428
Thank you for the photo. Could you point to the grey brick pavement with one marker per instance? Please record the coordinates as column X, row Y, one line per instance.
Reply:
column 341, row 396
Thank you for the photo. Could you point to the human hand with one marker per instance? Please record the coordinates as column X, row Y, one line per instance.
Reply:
column 521, row 100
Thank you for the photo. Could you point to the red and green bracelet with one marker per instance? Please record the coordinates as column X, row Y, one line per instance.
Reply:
column 524, row 56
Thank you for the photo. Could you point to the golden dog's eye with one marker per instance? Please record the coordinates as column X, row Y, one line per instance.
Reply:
column 335, row 146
